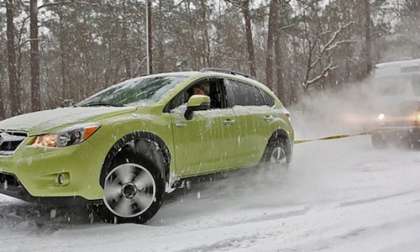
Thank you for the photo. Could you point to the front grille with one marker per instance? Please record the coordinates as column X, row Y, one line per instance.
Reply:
column 10, row 141
column 8, row 182
column 10, row 185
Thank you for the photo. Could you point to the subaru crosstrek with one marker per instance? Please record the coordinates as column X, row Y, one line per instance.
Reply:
column 126, row 146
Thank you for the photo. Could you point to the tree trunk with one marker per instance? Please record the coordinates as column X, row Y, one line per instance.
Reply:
column 125, row 44
column 2, row 103
column 160, row 48
column 249, row 39
column 206, row 39
column 368, row 38
column 63, row 68
column 279, row 68
column 149, row 37
column 272, row 26
column 127, row 60
column 35, row 85
column 14, row 88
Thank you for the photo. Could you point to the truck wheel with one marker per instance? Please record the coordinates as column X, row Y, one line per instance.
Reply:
column 378, row 142
column 133, row 191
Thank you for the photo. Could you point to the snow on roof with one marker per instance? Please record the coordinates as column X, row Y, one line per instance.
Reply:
column 399, row 63
column 401, row 68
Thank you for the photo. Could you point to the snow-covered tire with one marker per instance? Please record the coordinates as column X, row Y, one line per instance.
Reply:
column 277, row 153
column 133, row 190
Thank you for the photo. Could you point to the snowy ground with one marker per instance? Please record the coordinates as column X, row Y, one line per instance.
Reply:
column 338, row 195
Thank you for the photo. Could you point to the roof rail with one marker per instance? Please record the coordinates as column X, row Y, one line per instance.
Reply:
column 221, row 70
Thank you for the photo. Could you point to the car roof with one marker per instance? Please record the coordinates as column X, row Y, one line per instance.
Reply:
column 203, row 74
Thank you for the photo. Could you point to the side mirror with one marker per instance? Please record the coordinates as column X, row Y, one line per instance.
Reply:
column 197, row 103
column 67, row 103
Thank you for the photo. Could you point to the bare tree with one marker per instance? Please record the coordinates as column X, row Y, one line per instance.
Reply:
column 149, row 37
column 315, row 57
column 89, row 45
column 244, row 6
column 205, row 31
column 249, row 37
column 2, row 104
column 278, row 63
column 272, row 26
column 35, row 60
column 14, row 87
column 160, row 38
column 368, row 37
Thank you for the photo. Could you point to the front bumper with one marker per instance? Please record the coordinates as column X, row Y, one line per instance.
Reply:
column 11, row 186
column 398, row 133
column 32, row 173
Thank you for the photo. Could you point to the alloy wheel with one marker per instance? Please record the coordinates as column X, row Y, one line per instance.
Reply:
column 278, row 156
column 129, row 190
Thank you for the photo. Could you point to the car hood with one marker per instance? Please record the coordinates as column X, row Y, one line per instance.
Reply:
column 44, row 121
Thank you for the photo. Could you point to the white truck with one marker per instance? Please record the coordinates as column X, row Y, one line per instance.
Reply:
column 396, row 86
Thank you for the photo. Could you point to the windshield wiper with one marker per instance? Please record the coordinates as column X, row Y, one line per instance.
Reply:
column 104, row 104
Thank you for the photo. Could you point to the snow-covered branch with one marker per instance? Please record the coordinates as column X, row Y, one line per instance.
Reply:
column 315, row 58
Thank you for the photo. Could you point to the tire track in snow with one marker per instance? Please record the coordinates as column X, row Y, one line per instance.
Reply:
column 374, row 199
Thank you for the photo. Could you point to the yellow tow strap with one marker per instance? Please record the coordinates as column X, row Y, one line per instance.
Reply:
column 331, row 137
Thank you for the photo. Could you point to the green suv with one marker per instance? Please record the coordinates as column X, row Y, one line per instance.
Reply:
column 124, row 147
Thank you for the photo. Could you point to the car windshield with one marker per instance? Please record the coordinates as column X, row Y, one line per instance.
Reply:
column 395, row 86
column 415, row 83
column 140, row 91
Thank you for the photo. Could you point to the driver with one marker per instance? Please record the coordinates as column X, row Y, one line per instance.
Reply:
column 200, row 89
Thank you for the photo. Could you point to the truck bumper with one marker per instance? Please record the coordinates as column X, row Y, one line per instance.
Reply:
column 410, row 134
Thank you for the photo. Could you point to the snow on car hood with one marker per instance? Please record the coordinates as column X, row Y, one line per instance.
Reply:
column 42, row 121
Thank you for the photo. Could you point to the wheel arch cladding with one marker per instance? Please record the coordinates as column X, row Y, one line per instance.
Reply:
column 145, row 144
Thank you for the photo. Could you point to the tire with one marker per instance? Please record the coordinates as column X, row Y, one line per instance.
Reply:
column 277, row 153
column 133, row 190
column 378, row 142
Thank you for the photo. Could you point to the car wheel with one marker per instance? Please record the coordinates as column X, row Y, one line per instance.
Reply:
column 276, row 153
column 378, row 142
column 133, row 191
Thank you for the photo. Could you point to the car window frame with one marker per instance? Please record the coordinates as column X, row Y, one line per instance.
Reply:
column 167, row 108
column 265, row 95
column 259, row 91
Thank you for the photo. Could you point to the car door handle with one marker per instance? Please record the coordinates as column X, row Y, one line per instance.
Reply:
column 268, row 118
column 228, row 122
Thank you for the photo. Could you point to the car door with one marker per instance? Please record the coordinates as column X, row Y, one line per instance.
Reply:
column 201, row 144
column 254, row 121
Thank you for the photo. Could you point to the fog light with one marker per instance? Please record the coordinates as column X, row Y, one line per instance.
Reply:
column 63, row 178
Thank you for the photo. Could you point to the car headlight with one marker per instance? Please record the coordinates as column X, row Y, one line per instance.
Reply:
column 417, row 118
column 68, row 137
column 381, row 117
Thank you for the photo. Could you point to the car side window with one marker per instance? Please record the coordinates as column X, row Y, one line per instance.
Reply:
column 269, row 100
column 213, row 87
column 242, row 94
column 177, row 101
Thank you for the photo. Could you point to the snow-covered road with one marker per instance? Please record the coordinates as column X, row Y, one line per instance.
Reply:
column 338, row 195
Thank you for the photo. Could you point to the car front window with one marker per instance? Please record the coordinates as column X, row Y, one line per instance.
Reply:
column 140, row 91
